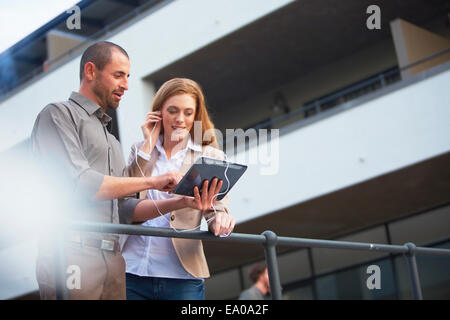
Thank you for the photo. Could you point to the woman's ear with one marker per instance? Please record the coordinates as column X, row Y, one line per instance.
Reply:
column 162, row 126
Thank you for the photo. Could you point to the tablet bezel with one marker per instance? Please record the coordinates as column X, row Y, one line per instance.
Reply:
column 221, row 165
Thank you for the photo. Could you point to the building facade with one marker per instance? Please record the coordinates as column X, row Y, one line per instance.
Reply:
column 356, row 116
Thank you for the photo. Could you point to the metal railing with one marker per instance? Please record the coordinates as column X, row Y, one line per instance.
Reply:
column 268, row 239
column 344, row 95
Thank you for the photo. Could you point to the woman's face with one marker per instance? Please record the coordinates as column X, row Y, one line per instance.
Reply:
column 178, row 114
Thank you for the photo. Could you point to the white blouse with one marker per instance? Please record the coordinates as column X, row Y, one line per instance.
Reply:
column 155, row 256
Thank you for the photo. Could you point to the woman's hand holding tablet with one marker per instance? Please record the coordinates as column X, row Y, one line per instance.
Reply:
column 204, row 200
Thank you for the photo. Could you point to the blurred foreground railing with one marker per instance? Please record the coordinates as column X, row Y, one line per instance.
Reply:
column 268, row 239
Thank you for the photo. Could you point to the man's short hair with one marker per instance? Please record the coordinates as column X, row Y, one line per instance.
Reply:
column 99, row 54
column 257, row 270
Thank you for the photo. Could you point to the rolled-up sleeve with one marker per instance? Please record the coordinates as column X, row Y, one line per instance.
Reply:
column 127, row 205
column 56, row 142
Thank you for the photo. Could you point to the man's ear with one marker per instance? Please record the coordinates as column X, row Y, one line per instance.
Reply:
column 90, row 71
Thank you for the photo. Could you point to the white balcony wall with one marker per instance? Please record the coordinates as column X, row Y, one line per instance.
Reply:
column 162, row 37
column 382, row 135
column 379, row 136
column 166, row 34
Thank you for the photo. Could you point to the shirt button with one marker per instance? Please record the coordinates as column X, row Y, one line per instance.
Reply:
column 172, row 217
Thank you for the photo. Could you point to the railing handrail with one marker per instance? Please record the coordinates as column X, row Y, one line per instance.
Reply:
column 248, row 238
column 268, row 239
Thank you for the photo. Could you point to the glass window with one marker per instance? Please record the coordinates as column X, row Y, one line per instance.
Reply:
column 294, row 266
column 422, row 229
column 301, row 293
column 434, row 276
column 351, row 284
column 224, row 285
column 326, row 260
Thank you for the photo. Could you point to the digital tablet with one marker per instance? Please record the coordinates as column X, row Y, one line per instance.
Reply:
column 206, row 169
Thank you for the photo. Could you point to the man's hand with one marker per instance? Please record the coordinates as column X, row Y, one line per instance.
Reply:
column 166, row 182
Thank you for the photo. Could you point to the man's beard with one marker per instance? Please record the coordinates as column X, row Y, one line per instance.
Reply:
column 103, row 95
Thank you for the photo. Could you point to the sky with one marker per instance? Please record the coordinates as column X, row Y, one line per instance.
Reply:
column 19, row 18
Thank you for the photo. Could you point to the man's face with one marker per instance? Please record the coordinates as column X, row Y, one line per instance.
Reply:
column 109, row 84
column 265, row 277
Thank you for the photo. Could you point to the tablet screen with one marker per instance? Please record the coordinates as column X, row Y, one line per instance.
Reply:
column 206, row 169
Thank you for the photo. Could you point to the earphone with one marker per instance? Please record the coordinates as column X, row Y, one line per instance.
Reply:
column 212, row 199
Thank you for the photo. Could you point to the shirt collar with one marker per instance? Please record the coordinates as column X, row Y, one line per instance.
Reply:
column 194, row 146
column 190, row 145
column 90, row 106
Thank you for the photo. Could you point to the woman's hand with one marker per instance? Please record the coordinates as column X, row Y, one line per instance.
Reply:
column 208, row 196
column 222, row 225
column 151, row 129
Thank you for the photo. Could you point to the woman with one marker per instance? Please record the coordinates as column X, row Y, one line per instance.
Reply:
column 170, row 268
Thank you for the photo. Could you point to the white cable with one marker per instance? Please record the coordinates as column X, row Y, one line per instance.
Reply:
column 220, row 193
column 212, row 199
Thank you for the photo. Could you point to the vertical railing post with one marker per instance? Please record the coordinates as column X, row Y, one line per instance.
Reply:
column 272, row 264
column 62, row 293
column 317, row 106
column 413, row 271
column 382, row 80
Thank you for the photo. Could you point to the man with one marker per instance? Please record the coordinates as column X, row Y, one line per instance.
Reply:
column 261, row 287
column 73, row 144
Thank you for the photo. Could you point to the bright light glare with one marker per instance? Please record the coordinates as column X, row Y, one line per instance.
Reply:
column 22, row 17
column 30, row 204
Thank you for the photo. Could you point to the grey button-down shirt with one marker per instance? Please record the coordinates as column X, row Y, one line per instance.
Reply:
column 73, row 143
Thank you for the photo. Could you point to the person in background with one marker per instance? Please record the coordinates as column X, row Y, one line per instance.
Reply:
column 260, row 289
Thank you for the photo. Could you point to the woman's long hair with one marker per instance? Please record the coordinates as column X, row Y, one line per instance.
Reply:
column 177, row 86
